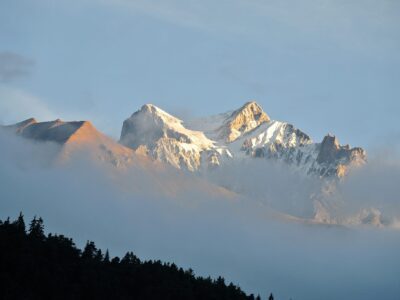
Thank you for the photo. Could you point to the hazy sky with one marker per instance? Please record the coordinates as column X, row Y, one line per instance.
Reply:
column 325, row 66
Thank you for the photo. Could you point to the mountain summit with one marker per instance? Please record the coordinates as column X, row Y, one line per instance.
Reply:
column 164, row 138
column 241, row 121
column 72, row 137
column 203, row 143
column 245, row 133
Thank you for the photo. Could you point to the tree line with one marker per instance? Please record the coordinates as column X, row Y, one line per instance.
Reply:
column 34, row 265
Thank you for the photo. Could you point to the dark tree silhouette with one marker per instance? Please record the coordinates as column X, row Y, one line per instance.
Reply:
column 271, row 297
column 35, row 266
column 90, row 250
column 36, row 229
column 20, row 223
column 106, row 257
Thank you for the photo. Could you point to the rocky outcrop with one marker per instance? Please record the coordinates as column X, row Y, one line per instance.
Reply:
column 167, row 140
column 335, row 160
column 245, row 132
column 241, row 121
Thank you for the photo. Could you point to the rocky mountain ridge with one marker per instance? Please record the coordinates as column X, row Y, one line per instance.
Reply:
column 72, row 137
column 164, row 138
column 202, row 144
column 247, row 132
column 151, row 138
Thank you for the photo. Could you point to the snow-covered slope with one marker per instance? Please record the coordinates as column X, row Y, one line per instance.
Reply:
column 229, row 126
column 282, row 141
column 245, row 133
column 201, row 144
column 164, row 138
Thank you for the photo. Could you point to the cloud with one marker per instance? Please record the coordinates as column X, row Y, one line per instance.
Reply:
column 17, row 105
column 373, row 186
column 14, row 66
column 213, row 235
column 367, row 28
column 367, row 195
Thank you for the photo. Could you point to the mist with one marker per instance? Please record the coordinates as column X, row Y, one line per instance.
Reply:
column 375, row 185
column 216, row 233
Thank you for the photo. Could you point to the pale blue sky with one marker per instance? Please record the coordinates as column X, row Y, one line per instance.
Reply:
column 325, row 66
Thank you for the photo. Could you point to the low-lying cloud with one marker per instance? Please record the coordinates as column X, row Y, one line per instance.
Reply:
column 234, row 237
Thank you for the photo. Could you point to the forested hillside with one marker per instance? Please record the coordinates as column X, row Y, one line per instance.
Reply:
column 38, row 266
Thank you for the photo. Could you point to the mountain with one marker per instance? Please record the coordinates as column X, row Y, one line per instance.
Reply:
column 245, row 133
column 200, row 144
column 163, row 137
column 131, row 168
column 154, row 146
column 73, row 137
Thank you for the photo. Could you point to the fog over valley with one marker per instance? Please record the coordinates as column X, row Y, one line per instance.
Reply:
column 265, row 243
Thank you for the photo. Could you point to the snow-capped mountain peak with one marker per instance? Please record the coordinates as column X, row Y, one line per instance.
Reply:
column 241, row 121
column 228, row 127
column 166, row 139
column 247, row 132
column 159, row 114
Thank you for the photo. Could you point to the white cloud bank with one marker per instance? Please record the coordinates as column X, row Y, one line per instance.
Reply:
column 213, row 235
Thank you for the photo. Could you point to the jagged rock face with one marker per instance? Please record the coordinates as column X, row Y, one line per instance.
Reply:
column 326, row 159
column 331, row 151
column 334, row 159
column 280, row 141
column 283, row 142
column 166, row 139
column 73, row 137
column 274, row 137
column 244, row 133
column 241, row 121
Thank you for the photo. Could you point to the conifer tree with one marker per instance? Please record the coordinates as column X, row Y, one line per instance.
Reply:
column 90, row 250
column 20, row 223
column 106, row 257
column 36, row 228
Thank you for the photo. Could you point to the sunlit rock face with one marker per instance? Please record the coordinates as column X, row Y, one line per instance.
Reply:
column 204, row 143
column 53, row 131
column 249, row 132
column 166, row 139
column 73, row 138
column 245, row 133
column 335, row 160
column 241, row 121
